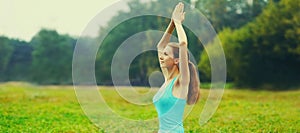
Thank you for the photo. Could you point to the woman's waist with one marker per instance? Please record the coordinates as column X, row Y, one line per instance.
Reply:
column 167, row 122
column 171, row 128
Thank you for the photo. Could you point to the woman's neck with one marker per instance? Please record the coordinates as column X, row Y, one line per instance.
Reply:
column 172, row 72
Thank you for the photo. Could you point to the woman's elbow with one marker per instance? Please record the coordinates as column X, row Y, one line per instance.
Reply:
column 183, row 43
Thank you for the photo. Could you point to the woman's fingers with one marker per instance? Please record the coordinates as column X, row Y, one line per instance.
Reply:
column 181, row 7
column 178, row 14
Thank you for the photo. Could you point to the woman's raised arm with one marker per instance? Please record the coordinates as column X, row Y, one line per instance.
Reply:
column 166, row 37
column 163, row 43
column 178, row 17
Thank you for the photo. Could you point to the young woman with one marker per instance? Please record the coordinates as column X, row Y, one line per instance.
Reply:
column 181, row 84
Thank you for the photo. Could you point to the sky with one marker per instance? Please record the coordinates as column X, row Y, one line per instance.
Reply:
column 23, row 19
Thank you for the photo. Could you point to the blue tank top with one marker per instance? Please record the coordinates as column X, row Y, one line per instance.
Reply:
column 170, row 110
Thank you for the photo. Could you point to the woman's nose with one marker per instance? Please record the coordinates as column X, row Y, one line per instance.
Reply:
column 161, row 58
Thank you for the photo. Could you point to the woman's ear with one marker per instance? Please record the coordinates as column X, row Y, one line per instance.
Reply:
column 176, row 61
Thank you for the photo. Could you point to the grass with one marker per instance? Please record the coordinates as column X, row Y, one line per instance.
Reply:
column 29, row 108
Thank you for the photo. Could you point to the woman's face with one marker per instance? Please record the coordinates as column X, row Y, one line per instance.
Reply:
column 167, row 58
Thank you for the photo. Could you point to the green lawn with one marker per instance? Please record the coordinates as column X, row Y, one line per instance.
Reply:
column 29, row 108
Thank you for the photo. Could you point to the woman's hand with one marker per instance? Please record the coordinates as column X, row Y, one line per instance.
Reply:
column 178, row 14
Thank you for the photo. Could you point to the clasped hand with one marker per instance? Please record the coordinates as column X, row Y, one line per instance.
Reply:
column 178, row 14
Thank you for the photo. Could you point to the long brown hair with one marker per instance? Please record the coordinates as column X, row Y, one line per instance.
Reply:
column 193, row 92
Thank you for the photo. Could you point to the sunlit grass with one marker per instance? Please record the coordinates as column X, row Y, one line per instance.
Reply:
column 30, row 108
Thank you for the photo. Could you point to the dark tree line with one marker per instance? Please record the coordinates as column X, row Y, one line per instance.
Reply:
column 46, row 59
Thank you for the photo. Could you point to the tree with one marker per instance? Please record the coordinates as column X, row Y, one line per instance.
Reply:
column 6, row 50
column 230, row 13
column 20, row 62
column 52, row 58
column 265, row 53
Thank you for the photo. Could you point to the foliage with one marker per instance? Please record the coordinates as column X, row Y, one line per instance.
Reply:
column 52, row 57
column 230, row 13
column 20, row 62
column 5, row 53
column 265, row 53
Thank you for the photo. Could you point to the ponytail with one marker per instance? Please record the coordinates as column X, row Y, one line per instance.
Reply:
column 194, row 92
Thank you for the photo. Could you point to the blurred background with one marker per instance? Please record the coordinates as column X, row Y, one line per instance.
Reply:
column 261, row 40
